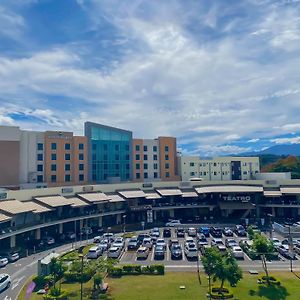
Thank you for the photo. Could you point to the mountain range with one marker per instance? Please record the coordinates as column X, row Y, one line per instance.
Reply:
column 293, row 149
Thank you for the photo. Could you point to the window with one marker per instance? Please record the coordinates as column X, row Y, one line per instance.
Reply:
column 245, row 172
column 145, row 148
column 81, row 156
column 127, row 166
column 53, row 146
column 192, row 173
column 137, row 157
column 192, row 164
column 40, row 157
column 117, row 157
column 40, row 146
column 53, row 178
column 117, row 147
column 67, row 146
column 81, row 177
column 155, row 157
column 204, row 173
column 40, row 178
column 166, row 148
column 145, row 157
column 215, row 173
column 145, row 166
column 117, row 166
column 67, row 167
column 81, row 146
column 137, row 147
column 154, row 148
column 94, row 147
column 166, row 157
column 167, row 174
column 40, row 168
column 138, row 175
column 127, row 157
column 155, row 167
column 167, row 166
column 105, row 166
column 53, row 167
column 81, row 167
column 67, row 156
column 146, row 175
column 67, row 177
column 137, row 166
column 215, row 164
column 53, row 156
column 105, row 147
column 155, row 174
column 127, row 147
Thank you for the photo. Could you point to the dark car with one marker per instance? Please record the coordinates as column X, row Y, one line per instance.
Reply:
column 173, row 242
column 205, row 231
column 133, row 243
column 159, row 252
column 176, row 251
column 216, row 232
column 141, row 237
column 180, row 232
column 240, row 230
column 227, row 231
column 167, row 232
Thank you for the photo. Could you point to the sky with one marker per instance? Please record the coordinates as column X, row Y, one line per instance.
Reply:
column 221, row 76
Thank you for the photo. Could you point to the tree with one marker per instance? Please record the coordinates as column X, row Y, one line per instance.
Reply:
column 98, row 279
column 210, row 260
column 233, row 270
column 262, row 245
column 56, row 269
column 250, row 232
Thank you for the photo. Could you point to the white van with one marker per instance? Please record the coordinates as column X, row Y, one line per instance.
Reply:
column 94, row 252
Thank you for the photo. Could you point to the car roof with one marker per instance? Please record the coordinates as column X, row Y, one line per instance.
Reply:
column 94, row 248
column 143, row 248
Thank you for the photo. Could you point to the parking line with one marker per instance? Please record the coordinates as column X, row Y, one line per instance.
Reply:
column 122, row 255
column 152, row 254
column 245, row 254
column 183, row 255
column 168, row 254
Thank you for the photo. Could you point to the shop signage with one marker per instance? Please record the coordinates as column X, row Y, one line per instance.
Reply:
column 237, row 198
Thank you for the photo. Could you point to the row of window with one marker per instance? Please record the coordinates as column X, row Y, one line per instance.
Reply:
column 105, row 166
column 155, row 166
column 192, row 164
column 96, row 147
column 105, row 157
column 40, row 146
column 95, row 177
column 40, row 156
column 138, row 175
column 154, row 148
column 138, row 157
column 40, row 178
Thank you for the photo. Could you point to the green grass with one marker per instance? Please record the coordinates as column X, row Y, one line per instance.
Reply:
column 74, row 254
column 167, row 287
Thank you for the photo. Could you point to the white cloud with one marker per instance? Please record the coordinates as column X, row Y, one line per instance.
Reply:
column 293, row 140
column 253, row 140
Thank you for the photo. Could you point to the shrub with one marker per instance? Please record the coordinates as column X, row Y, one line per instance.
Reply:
column 218, row 293
column 115, row 271
column 56, row 294
column 39, row 281
column 160, row 269
column 76, row 276
column 272, row 280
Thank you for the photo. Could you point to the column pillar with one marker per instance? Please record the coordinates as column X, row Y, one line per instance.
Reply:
column 38, row 234
column 80, row 224
column 273, row 212
column 119, row 219
column 172, row 213
column 13, row 241
column 100, row 221
column 60, row 228
column 154, row 215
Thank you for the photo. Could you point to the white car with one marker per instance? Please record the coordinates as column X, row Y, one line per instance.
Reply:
column 217, row 241
column 94, row 252
column 192, row 231
column 155, row 232
column 147, row 242
column 5, row 282
column 119, row 242
column 3, row 261
column 104, row 244
column 173, row 223
column 237, row 252
column 114, row 252
column 142, row 252
column 49, row 240
column 190, row 250
column 276, row 242
column 97, row 239
column 189, row 240
column 161, row 242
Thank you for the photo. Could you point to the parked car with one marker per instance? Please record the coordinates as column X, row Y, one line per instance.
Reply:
column 217, row 241
column 159, row 252
column 133, row 243
column 11, row 256
column 176, row 251
column 205, row 231
column 189, row 240
column 162, row 243
column 237, row 252
column 114, row 252
column 216, row 232
column 3, row 261
column 49, row 240
column 221, row 248
column 104, row 244
column 284, row 250
column 192, row 231
column 97, row 239
column 203, row 248
column 297, row 249
column 5, row 282
column 142, row 252
column 227, row 231
column 173, row 223
column 229, row 243
column 142, row 236
column 147, row 242
column 167, row 232
column 190, row 250
column 180, row 232
column 173, row 242
column 155, row 232
column 70, row 235
column 94, row 252
column 119, row 242
column 202, row 240
column 276, row 242
column 240, row 230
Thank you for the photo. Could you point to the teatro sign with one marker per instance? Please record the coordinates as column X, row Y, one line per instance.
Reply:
column 237, row 198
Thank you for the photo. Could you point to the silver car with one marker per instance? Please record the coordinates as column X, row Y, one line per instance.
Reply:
column 5, row 282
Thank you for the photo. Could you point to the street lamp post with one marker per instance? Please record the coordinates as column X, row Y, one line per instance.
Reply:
column 124, row 223
column 271, row 225
column 290, row 249
column 81, row 277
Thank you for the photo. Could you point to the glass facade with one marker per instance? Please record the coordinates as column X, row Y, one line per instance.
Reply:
column 109, row 152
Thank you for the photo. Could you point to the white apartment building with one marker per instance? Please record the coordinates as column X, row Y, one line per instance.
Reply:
column 218, row 168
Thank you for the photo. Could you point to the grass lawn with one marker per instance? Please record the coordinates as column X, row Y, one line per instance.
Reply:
column 167, row 287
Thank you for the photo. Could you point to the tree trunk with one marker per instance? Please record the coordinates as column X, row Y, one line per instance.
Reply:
column 222, row 284
column 264, row 263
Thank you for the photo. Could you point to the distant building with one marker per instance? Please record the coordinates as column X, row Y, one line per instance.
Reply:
column 218, row 168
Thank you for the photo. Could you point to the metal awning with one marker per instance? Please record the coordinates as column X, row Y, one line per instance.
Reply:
column 229, row 189
column 4, row 218
column 132, row 194
column 116, row 198
column 15, row 207
column 236, row 205
column 290, row 190
column 272, row 193
column 190, row 194
column 54, row 201
column 38, row 208
column 94, row 197
column 152, row 195
column 78, row 202
column 169, row 192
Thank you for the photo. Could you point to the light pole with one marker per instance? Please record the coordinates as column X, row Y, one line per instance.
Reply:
column 124, row 223
column 81, row 277
column 271, row 225
column 290, row 249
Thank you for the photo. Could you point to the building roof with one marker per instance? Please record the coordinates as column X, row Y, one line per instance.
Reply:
column 169, row 192
column 14, row 207
column 290, row 190
column 54, row 201
column 229, row 189
column 78, row 202
column 95, row 197
column 38, row 208
column 116, row 198
column 272, row 193
column 132, row 194
column 189, row 194
column 4, row 218
column 152, row 195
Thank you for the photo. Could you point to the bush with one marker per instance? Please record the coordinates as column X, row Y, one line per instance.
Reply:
column 224, row 293
column 132, row 269
column 160, row 269
column 39, row 281
column 272, row 280
column 56, row 294
column 76, row 276
column 115, row 271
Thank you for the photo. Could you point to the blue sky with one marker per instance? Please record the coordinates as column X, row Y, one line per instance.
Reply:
column 221, row 76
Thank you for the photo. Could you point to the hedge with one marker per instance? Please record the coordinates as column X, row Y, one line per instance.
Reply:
column 272, row 280
column 217, row 293
column 76, row 276
column 118, row 271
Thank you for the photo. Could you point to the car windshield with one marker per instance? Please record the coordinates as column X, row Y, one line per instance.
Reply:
column 176, row 247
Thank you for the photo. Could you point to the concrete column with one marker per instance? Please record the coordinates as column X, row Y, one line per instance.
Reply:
column 80, row 223
column 119, row 219
column 13, row 241
column 257, row 211
column 273, row 212
column 172, row 214
column 154, row 215
column 38, row 234
column 100, row 221
column 60, row 228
